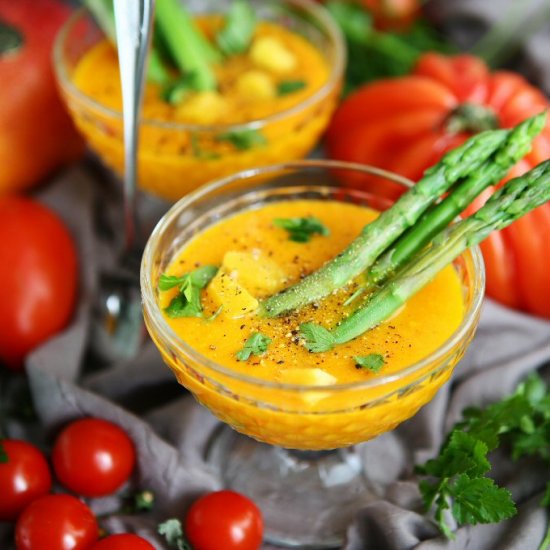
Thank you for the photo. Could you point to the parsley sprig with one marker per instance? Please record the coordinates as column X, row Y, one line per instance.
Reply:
column 172, row 531
column 187, row 303
column 301, row 230
column 457, row 477
column 373, row 361
column 257, row 344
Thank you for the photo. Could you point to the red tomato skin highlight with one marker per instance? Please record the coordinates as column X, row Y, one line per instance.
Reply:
column 38, row 291
column 93, row 457
column 23, row 478
column 224, row 519
column 56, row 522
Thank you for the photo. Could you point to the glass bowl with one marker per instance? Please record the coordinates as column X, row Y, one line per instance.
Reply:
column 305, row 476
column 175, row 158
column 284, row 414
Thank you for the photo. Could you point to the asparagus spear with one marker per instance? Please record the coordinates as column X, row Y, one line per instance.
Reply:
column 513, row 200
column 104, row 15
column 516, row 146
column 382, row 232
column 191, row 51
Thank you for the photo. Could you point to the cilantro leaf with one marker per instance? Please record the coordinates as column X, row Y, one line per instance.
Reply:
column 373, row 362
column 286, row 87
column 522, row 422
column 317, row 338
column 256, row 345
column 188, row 302
column 301, row 230
column 172, row 531
column 237, row 33
column 462, row 454
column 480, row 500
column 203, row 275
column 3, row 454
column 244, row 139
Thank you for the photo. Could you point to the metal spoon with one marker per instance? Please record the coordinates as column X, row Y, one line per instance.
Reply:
column 118, row 331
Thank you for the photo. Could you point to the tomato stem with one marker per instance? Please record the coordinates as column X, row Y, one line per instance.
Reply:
column 11, row 39
column 472, row 118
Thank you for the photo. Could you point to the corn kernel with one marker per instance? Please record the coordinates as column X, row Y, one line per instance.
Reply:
column 256, row 85
column 270, row 54
column 203, row 108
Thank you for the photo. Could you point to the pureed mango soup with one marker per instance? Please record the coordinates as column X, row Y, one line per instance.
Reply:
column 338, row 403
column 292, row 74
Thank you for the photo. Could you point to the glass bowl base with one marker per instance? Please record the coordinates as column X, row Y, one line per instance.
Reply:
column 308, row 498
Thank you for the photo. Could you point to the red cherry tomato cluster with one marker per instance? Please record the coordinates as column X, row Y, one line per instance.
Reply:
column 92, row 458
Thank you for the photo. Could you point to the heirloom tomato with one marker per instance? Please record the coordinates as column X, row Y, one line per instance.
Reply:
column 406, row 124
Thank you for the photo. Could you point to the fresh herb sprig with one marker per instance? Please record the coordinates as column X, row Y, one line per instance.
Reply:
column 187, row 303
column 172, row 531
column 457, row 478
column 375, row 54
column 373, row 362
column 301, row 230
column 257, row 344
column 243, row 140
column 238, row 30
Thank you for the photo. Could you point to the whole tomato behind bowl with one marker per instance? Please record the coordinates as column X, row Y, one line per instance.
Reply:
column 36, row 133
column 38, row 279
column 407, row 124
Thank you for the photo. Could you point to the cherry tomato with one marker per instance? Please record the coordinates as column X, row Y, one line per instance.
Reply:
column 24, row 477
column 93, row 457
column 125, row 541
column 56, row 522
column 38, row 279
column 224, row 519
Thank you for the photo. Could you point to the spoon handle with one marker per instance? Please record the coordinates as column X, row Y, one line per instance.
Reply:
column 134, row 23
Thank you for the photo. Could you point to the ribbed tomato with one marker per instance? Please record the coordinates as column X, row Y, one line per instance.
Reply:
column 406, row 124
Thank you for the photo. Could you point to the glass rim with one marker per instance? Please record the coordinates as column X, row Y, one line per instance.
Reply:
column 312, row 8
column 161, row 326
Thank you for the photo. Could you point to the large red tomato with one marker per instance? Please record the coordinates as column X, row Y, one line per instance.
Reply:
column 93, row 457
column 406, row 124
column 36, row 133
column 60, row 522
column 24, row 476
column 124, row 541
column 38, row 278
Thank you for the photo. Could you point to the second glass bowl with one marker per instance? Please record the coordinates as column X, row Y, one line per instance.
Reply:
column 175, row 158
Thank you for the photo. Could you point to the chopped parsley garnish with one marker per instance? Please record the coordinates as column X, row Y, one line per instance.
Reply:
column 244, row 139
column 257, row 344
column 237, row 33
column 172, row 531
column 286, row 87
column 373, row 362
column 188, row 301
column 301, row 230
column 317, row 338
column 521, row 423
